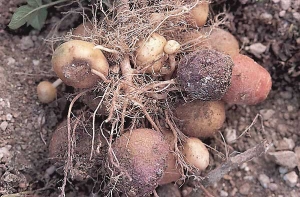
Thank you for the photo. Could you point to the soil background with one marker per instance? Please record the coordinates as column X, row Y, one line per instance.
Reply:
column 268, row 31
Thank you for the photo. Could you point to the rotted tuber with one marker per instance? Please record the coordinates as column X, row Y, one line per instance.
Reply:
column 77, row 63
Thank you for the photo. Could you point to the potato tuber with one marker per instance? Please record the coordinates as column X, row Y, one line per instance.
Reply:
column 150, row 53
column 172, row 173
column 201, row 118
column 205, row 74
column 142, row 155
column 195, row 153
column 76, row 61
column 250, row 82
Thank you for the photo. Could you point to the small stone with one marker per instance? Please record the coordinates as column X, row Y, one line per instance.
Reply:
column 4, row 153
column 291, row 179
column 223, row 193
column 296, row 16
column 264, row 180
column 36, row 62
column 273, row 186
column 282, row 170
column 3, row 125
column 285, row 4
column 233, row 192
column 276, row 1
column 9, row 117
column 298, row 41
column 282, row 128
column 245, row 189
column 26, row 43
column 230, row 135
column 11, row 61
column 284, row 158
column 257, row 48
column 286, row 144
column 286, row 95
column 267, row 113
column 282, row 13
column 290, row 108
column 266, row 16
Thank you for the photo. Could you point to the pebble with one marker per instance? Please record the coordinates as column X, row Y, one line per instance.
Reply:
column 11, row 61
column 273, row 186
column 282, row 170
column 26, row 43
column 282, row 13
column 257, row 48
column 36, row 62
column 230, row 135
column 267, row 113
column 3, row 125
column 266, row 17
column 276, row 1
column 286, row 144
column 296, row 16
column 284, row 158
column 245, row 189
column 282, row 128
column 233, row 192
column 9, row 117
column 298, row 41
column 285, row 4
column 291, row 179
column 290, row 108
column 4, row 152
column 286, row 95
column 223, row 193
column 264, row 180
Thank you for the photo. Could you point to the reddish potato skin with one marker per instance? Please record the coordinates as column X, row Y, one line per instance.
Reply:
column 143, row 154
column 250, row 82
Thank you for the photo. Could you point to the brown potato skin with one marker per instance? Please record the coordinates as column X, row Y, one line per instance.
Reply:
column 201, row 118
column 143, row 154
column 250, row 82
column 223, row 41
column 216, row 38
column 72, row 62
column 46, row 92
column 195, row 153
column 200, row 13
column 172, row 173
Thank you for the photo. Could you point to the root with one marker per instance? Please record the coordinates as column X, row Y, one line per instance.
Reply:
column 232, row 163
column 68, row 165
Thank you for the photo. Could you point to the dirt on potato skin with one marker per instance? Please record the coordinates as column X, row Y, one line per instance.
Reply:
column 25, row 165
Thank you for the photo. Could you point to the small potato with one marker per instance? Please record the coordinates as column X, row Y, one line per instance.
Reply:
column 195, row 153
column 172, row 173
column 201, row 118
column 150, row 53
column 171, row 47
column 250, row 82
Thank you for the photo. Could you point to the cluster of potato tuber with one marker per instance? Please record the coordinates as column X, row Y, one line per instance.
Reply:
column 155, row 97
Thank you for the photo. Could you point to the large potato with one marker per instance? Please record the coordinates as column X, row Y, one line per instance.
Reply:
column 250, row 82
column 172, row 173
column 201, row 118
column 142, row 154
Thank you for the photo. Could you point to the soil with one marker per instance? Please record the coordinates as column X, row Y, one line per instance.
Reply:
column 268, row 31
